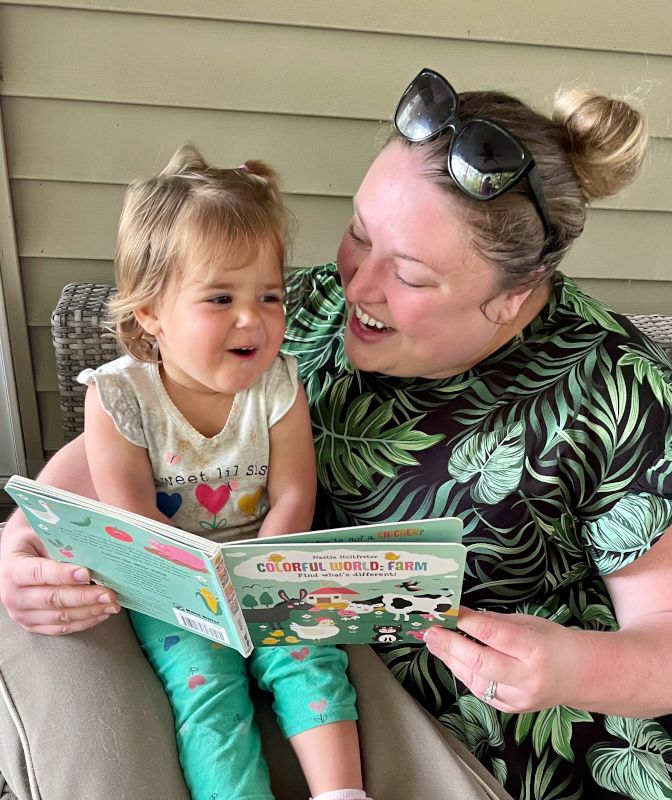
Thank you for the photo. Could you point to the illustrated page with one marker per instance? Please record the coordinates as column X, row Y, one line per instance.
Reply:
column 303, row 594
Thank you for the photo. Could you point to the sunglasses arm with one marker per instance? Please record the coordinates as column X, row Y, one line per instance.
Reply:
column 538, row 196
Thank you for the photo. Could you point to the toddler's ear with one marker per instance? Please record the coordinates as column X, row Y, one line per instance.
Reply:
column 148, row 320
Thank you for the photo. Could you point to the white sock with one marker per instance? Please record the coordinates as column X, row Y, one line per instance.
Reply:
column 342, row 794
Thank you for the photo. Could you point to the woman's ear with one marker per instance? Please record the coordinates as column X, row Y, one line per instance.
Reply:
column 504, row 308
column 148, row 319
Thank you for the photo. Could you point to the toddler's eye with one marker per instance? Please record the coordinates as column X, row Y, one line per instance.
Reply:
column 271, row 298
column 221, row 299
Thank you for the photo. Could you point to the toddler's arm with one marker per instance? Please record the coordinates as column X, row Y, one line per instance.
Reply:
column 120, row 470
column 292, row 481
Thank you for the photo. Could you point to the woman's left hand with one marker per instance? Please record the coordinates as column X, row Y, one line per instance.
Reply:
column 529, row 658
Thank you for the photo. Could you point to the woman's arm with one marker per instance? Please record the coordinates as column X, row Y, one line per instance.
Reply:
column 42, row 595
column 120, row 470
column 538, row 663
column 292, row 482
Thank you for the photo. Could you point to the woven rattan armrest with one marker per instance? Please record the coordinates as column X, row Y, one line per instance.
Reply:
column 79, row 342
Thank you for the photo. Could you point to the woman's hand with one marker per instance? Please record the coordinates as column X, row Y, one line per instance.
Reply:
column 536, row 663
column 42, row 595
column 532, row 660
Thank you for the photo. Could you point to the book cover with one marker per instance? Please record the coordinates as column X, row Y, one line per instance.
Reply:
column 346, row 593
column 371, row 583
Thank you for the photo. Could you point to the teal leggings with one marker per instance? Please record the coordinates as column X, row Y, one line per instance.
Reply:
column 217, row 737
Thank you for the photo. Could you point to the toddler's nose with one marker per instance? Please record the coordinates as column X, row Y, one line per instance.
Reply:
column 248, row 316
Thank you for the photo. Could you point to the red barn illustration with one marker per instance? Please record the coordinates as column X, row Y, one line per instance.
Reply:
column 331, row 597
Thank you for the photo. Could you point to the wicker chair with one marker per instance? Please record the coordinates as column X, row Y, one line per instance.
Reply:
column 80, row 343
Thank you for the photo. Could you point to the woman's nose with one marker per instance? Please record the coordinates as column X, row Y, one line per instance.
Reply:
column 366, row 282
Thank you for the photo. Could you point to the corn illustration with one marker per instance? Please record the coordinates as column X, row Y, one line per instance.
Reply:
column 211, row 602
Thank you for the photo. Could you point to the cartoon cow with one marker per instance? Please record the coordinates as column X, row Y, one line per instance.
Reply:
column 402, row 605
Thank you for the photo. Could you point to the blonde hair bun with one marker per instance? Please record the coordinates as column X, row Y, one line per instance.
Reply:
column 607, row 140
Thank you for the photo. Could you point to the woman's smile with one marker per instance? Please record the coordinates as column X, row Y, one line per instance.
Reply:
column 368, row 321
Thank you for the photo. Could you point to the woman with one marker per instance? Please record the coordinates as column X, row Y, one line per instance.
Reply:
column 452, row 370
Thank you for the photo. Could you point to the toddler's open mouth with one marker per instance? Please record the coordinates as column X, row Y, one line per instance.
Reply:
column 243, row 352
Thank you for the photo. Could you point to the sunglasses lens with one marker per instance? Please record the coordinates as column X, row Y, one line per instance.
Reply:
column 485, row 160
column 427, row 104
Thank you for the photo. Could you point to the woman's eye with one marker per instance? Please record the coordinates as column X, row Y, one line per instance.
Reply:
column 408, row 283
column 355, row 237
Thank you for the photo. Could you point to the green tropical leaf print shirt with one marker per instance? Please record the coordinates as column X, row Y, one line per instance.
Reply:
column 556, row 452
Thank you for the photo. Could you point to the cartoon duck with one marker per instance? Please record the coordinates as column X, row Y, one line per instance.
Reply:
column 323, row 630
column 47, row 515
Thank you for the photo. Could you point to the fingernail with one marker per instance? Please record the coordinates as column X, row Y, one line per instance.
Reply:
column 430, row 636
column 104, row 598
column 81, row 575
column 112, row 610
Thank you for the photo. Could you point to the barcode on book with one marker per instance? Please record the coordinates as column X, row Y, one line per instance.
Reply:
column 200, row 626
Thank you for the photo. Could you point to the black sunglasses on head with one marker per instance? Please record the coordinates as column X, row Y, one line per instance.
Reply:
column 484, row 159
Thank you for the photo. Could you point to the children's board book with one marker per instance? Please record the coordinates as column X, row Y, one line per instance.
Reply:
column 365, row 584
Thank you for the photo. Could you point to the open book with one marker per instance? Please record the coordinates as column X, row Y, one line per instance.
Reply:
column 372, row 583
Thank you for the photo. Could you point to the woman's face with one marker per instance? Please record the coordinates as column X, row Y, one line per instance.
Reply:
column 421, row 302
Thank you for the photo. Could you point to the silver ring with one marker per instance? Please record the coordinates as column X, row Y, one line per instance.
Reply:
column 490, row 691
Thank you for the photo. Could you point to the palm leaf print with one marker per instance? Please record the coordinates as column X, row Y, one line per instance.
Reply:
column 478, row 726
column 648, row 371
column 315, row 335
column 640, row 769
column 625, row 531
column 555, row 724
column 544, row 781
column 496, row 457
column 482, row 723
column 352, row 445
column 591, row 310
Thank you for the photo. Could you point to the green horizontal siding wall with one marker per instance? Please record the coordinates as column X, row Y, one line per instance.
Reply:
column 94, row 94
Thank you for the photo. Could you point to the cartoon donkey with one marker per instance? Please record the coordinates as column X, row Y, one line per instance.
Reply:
column 280, row 611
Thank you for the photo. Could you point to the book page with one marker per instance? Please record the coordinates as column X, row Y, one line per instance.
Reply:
column 303, row 593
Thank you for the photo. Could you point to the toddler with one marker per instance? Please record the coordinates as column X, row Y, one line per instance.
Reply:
column 203, row 409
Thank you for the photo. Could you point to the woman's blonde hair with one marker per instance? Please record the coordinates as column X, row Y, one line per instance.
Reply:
column 189, row 209
column 592, row 147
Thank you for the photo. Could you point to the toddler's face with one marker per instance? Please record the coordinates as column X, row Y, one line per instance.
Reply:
column 219, row 326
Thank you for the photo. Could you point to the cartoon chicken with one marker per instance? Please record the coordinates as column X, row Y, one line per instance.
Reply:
column 324, row 629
